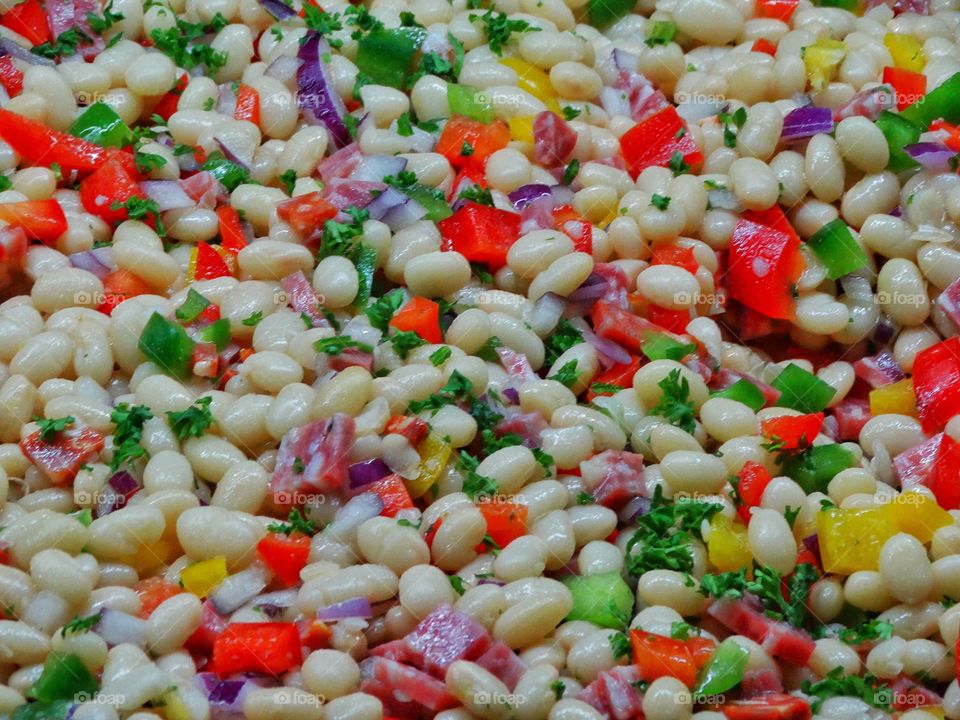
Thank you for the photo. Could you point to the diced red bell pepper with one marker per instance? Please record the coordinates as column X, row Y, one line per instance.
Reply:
column 702, row 649
column 167, row 104
column 285, row 555
column 111, row 183
column 765, row 263
column 41, row 220
column 38, row 144
column 11, row 77
column 612, row 322
column 481, row 233
column 777, row 9
column 231, row 232
column 673, row 320
column 620, row 374
column 211, row 625
column 205, row 361
column 306, row 213
column 209, row 263
column 419, row 315
column 248, row 104
column 412, row 428
column 658, row 656
column 393, row 493
column 506, row 521
column 773, row 706
column 119, row 286
column 483, row 140
column 936, row 383
column 754, row 479
column 314, row 634
column 574, row 226
column 61, row 458
column 952, row 139
column 765, row 46
column 152, row 591
column 29, row 20
column 908, row 86
column 793, row 431
column 934, row 463
column 671, row 254
column 271, row 648
column 655, row 140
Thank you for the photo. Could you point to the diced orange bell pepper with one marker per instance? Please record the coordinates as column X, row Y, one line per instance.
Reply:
column 248, row 104
column 41, row 220
column 107, row 189
column 908, row 86
column 777, row 9
column 620, row 374
column 119, row 286
column 506, row 521
column 306, row 213
column 792, row 431
column 658, row 140
column 29, row 20
column 153, row 591
column 657, row 656
column 285, row 555
column 393, row 493
column 270, row 648
column 207, row 262
column 764, row 46
column 231, row 233
column 420, row 315
column 479, row 141
column 481, row 233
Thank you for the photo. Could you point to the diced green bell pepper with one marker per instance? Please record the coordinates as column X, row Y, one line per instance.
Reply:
column 657, row 346
column 899, row 131
column 603, row 599
column 436, row 207
column 602, row 13
column 226, row 171
column 816, row 466
column 100, row 124
column 217, row 332
column 850, row 5
column 801, row 390
column 386, row 56
column 56, row 710
column 167, row 346
column 63, row 678
column 84, row 517
column 941, row 102
column 468, row 101
column 836, row 248
column 744, row 391
column 192, row 307
column 725, row 669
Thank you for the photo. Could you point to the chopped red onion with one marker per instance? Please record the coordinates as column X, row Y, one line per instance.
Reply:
column 356, row 512
column 227, row 100
column 511, row 394
column 358, row 607
column 318, row 97
column 384, row 202
column 547, row 311
column 238, row 589
column 279, row 9
column 933, row 156
column 609, row 350
column 812, row 543
column 90, row 261
column 233, row 154
column 284, row 68
column 168, row 194
column 723, row 199
column 367, row 472
column 804, row 122
column 14, row 49
column 404, row 214
column 374, row 168
column 949, row 301
column 526, row 194
column 635, row 507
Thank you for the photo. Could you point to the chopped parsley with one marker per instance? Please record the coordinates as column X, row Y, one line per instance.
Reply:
column 767, row 585
column 567, row 375
column 731, row 121
column 674, row 405
column 101, row 24
column 180, row 44
column 570, row 172
column 499, row 27
column 380, row 311
column 230, row 174
column 835, row 684
column 870, row 630
column 49, row 429
column 585, row 498
column 476, row 485
column 619, row 645
column 404, row 125
column 66, row 44
column 456, row 582
column 337, row 344
column 605, row 388
column 558, row 689
column 564, row 337
column 660, row 202
column 139, row 208
column 571, row 113
column 477, row 194
column 255, row 317
column 466, row 150
column 80, row 625
column 288, row 178
column 323, row 23
column 192, row 422
column 458, row 387
column 296, row 522
column 148, row 162
column 128, row 422
column 683, row 631
column 439, row 356
column 404, row 341
column 677, row 165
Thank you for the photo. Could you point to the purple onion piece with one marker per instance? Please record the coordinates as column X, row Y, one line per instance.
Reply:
column 279, row 9
column 812, row 543
column 805, row 122
column 14, row 49
column 932, row 155
column 523, row 196
column 366, row 472
column 318, row 96
column 226, row 692
column 512, row 395
column 358, row 607
column 87, row 260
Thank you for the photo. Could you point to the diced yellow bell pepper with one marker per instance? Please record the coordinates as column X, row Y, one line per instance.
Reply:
column 534, row 81
column 896, row 397
column 851, row 540
column 728, row 548
column 434, row 454
column 906, row 51
column 917, row 514
column 174, row 708
column 202, row 577
column 521, row 128
column 822, row 60
column 934, row 710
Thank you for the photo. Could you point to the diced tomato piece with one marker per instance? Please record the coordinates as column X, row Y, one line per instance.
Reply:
column 777, row 9
column 936, row 382
column 481, row 233
column 768, row 707
column 285, row 555
column 765, row 263
column 11, row 77
column 41, row 220
column 29, row 20
column 793, row 431
column 657, row 140
column 478, row 139
column 231, row 232
column 765, row 46
column 754, row 479
column 419, row 315
column 506, row 521
column 393, row 493
column 412, row 428
column 670, row 254
column 38, row 144
column 119, row 286
column 152, row 591
column 60, row 459
column 248, row 104
column 620, row 374
column 658, row 656
column 207, row 263
column 167, row 104
column 306, row 213
column 908, row 86
column 271, row 648
column 111, row 183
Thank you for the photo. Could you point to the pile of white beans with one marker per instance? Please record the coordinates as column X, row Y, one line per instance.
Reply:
column 60, row 357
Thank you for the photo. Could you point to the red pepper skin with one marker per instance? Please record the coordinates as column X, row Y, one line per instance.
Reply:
column 908, row 86
column 484, row 140
column 152, row 591
column 765, row 263
column 41, row 220
column 210, row 263
column 670, row 254
column 306, row 213
column 754, row 479
column 231, row 232
column 777, row 9
column 393, row 493
column 794, row 431
column 412, row 428
column 612, row 322
column 38, row 144
column 248, row 104
column 481, row 233
column 167, row 104
column 619, row 374
column 61, row 458
column 768, row 707
column 659, row 656
column 110, row 183
column 673, row 320
column 654, row 142
column 421, row 316
column 506, row 521
column 936, row 383
column 119, row 286
column 270, row 648
column 28, row 19
column 285, row 555
column 765, row 46
column 10, row 76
